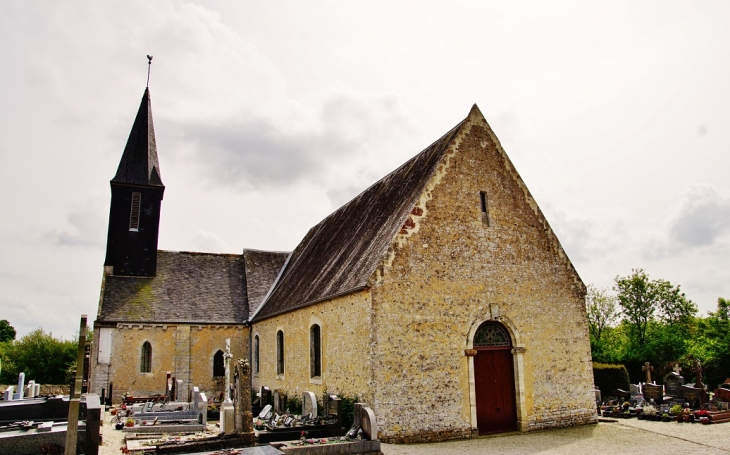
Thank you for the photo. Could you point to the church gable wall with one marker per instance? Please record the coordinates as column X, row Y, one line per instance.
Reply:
column 345, row 344
column 184, row 350
column 451, row 268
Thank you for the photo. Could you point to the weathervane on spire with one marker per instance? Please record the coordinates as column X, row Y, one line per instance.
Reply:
column 149, row 66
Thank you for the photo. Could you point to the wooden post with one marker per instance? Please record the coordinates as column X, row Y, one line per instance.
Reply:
column 73, row 405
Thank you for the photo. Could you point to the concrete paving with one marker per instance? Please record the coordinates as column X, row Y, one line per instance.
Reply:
column 622, row 437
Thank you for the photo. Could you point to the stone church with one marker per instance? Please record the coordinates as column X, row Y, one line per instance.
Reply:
column 439, row 296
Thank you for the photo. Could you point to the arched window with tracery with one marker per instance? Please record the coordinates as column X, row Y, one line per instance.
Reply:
column 145, row 364
column 492, row 335
column 219, row 368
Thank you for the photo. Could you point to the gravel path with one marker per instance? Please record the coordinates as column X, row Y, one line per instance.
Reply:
column 622, row 437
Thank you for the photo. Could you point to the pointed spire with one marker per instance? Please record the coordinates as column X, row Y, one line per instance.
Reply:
column 139, row 164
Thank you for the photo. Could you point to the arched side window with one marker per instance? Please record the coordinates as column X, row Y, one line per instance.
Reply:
column 256, row 354
column 492, row 335
column 279, row 352
column 219, row 368
column 145, row 364
column 315, row 351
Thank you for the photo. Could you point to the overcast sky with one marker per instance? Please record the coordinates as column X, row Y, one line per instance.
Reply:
column 270, row 115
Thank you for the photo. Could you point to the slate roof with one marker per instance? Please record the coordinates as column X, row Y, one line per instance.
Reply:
column 338, row 255
column 139, row 164
column 262, row 268
column 188, row 288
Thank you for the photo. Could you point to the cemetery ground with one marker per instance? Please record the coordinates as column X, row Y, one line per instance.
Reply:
column 621, row 437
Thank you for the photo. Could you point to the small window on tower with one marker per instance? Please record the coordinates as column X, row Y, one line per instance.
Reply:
column 134, row 215
column 485, row 212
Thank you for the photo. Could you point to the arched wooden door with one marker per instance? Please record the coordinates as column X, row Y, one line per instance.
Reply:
column 494, row 378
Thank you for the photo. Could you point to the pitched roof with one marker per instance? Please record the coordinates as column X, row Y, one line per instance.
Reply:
column 189, row 288
column 139, row 164
column 338, row 255
column 262, row 268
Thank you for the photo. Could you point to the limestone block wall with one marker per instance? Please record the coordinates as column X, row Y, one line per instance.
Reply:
column 184, row 350
column 453, row 267
column 345, row 333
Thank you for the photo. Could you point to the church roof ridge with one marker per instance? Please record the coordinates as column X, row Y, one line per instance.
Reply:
column 339, row 254
column 139, row 164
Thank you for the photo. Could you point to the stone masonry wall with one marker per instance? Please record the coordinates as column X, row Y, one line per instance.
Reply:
column 446, row 270
column 184, row 350
column 345, row 332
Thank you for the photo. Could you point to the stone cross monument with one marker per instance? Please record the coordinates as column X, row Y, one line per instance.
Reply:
column 648, row 368
column 227, row 411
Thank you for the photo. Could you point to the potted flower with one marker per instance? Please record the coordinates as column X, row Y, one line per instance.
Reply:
column 650, row 411
column 666, row 417
column 677, row 412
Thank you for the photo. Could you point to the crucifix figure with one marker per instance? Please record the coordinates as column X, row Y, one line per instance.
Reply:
column 648, row 368
column 697, row 368
column 676, row 368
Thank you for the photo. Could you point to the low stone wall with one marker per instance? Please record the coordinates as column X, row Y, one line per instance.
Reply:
column 427, row 435
column 560, row 418
column 46, row 389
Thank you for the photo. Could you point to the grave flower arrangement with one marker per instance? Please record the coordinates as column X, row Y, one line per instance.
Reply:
column 649, row 410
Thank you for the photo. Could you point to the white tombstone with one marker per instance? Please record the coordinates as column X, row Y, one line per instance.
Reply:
column 36, row 390
column 178, row 389
column 309, row 404
column 265, row 411
column 30, row 389
column 9, row 393
column 368, row 424
column 21, row 387
column 203, row 408
column 277, row 402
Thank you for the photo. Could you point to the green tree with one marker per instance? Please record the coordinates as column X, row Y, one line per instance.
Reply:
column 601, row 311
column 637, row 297
column 672, row 305
column 7, row 331
column 40, row 356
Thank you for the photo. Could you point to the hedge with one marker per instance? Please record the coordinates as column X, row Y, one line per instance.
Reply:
column 609, row 377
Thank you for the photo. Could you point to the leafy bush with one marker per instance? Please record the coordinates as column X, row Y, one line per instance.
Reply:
column 40, row 356
column 609, row 377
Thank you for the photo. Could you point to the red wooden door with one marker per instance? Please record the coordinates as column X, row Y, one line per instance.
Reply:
column 495, row 390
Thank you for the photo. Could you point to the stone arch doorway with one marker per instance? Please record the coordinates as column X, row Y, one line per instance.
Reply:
column 494, row 379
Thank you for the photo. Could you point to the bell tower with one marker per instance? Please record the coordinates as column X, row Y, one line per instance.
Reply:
column 137, row 189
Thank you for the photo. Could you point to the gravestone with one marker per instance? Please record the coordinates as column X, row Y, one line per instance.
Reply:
column 695, row 396
column 597, row 392
column 20, row 391
column 178, row 388
column 277, row 402
column 654, row 392
column 200, row 405
column 309, row 404
column 265, row 394
column 30, row 389
column 227, row 412
column 647, row 368
column 673, row 383
column 635, row 390
column 368, row 424
column 9, row 393
column 265, row 413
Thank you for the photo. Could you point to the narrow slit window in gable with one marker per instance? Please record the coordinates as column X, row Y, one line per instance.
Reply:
column 485, row 212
